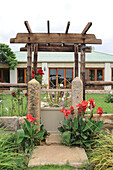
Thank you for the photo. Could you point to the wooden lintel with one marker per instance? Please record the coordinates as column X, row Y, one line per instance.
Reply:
column 27, row 26
column 36, row 38
column 67, row 28
column 56, row 47
column 99, row 83
column 86, row 28
column 48, row 26
column 13, row 85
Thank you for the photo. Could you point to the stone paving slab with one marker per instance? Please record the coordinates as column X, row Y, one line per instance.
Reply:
column 53, row 139
column 58, row 154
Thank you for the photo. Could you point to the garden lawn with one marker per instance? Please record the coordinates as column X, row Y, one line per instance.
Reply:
column 100, row 102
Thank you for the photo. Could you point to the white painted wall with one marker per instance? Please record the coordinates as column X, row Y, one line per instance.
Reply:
column 107, row 75
column 13, row 76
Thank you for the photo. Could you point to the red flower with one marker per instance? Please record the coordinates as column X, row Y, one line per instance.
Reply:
column 33, row 75
column 33, row 71
column 40, row 72
column 82, row 106
column 30, row 118
column 72, row 108
column 19, row 99
column 13, row 94
column 66, row 112
column 25, row 94
column 100, row 111
column 92, row 104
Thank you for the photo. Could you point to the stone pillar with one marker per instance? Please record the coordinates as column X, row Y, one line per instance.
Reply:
column 13, row 77
column 34, row 100
column 77, row 92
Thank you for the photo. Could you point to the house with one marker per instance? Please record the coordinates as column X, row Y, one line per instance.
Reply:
column 58, row 68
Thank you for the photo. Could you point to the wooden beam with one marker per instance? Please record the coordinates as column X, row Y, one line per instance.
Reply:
column 76, row 59
column 67, row 28
column 13, row 85
column 82, row 71
column 29, row 62
column 36, row 38
column 86, row 28
column 48, row 26
column 99, row 83
column 27, row 26
column 56, row 47
column 35, row 57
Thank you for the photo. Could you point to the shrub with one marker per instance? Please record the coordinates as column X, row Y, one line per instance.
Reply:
column 79, row 130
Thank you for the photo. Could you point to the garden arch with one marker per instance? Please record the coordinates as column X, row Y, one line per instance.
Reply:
column 60, row 42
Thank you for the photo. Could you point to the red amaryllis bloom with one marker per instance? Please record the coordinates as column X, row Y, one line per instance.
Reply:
column 33, row 75
column 25, row 94
column 82, row 106
column 30, row 118
column 13, row 94
column 40, row 72
column 19, row 99
column 100, row 111
column 33, row 71
column 92, row 104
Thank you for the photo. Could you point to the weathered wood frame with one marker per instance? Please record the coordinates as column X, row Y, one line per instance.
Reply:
column 56, row 42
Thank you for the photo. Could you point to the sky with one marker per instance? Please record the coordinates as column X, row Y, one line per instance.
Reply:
column 13, row 13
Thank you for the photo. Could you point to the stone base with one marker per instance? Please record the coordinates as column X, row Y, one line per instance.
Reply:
column 58, row 155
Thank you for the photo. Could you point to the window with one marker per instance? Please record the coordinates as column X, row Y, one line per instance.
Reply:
column 60, row 76
column 94, row 74
column 4, row 75
column 22, row 75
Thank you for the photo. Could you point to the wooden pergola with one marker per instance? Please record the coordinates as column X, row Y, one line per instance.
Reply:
column 59, row 42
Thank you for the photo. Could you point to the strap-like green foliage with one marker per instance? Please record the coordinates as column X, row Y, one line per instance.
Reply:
column 7, row 56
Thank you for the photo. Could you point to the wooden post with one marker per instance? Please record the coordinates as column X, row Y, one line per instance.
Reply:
column 35, row 57
column 76, row 59
column 82, row 71
column 29, row 62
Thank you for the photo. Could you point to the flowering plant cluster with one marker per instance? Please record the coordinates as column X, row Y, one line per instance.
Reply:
column 38, row 76
column 30, row 134
column 80, row 130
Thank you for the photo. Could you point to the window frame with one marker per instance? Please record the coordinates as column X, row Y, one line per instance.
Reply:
column 2, row 81
column 95, row 77
column 57, row 75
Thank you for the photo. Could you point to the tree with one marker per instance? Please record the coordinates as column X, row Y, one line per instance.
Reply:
column 7, row 56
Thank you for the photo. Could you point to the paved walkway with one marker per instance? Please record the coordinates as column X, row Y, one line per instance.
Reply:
column 55, row 153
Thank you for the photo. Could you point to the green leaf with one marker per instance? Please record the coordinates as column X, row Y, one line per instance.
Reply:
column 88, row 125
column 75, row 124
column 82, row 123
column 28, row 126
column 66, row 124
column 99, row 127
column 61, row 129
column 84, row 136
column 20, row 135
column 67, row 136
column 40, row 134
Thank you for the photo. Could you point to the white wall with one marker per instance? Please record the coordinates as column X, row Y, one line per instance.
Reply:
column 13, row 76
column 107, row 75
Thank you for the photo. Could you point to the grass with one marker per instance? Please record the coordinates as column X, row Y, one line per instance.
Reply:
column 100, row 102
column 52, row 167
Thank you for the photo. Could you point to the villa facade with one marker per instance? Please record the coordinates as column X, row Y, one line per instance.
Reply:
column 58, row 68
